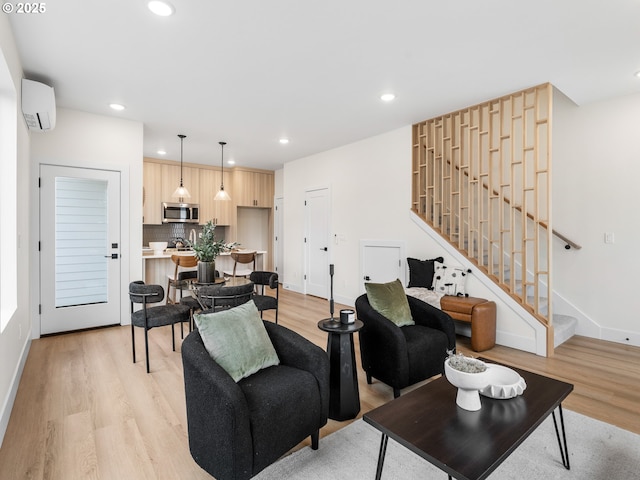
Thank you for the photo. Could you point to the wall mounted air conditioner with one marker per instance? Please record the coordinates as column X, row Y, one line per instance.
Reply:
column 38, row 106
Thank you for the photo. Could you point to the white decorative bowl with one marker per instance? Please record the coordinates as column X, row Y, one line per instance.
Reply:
column 468, row 385
column 158, row 247
column 503, row 383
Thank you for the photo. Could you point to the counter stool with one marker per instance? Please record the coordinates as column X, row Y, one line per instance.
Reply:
column 175, row 280
column 242, row 258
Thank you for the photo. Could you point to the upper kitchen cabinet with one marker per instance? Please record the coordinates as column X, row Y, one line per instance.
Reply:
column 253, row 188
column 210, row 209
column 171, row 181
column 152, row 193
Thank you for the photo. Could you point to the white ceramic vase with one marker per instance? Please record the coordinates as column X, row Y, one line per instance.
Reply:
column 468, row 385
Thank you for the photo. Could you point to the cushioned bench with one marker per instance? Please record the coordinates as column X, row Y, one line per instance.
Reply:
column 479, row 312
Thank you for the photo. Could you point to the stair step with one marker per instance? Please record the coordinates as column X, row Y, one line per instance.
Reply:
column 564, row 327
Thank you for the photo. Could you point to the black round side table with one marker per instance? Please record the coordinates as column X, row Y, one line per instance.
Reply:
column 344, row 401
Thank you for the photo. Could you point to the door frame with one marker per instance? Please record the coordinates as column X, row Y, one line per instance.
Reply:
column 278, row 237
column 125, row 236
column 305, row 249
column 78, row 317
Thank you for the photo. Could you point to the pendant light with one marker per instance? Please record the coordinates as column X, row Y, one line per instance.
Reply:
column 181, row 192
column 222, row 195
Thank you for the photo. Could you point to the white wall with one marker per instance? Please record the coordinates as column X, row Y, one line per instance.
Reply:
column 94, row 141
column 278, row 183
column 253, row 228
column 370, row 187
column 596, row 169
column 367, row 201
column 15, row 338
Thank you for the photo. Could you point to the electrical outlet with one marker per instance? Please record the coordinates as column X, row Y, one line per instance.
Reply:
column 609, row 238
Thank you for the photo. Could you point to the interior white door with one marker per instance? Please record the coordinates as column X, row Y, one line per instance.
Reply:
column 317, row 242
column 382, row 262
column 79, row 248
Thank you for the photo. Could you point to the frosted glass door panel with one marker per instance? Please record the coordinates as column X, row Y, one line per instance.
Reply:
column 81, row 241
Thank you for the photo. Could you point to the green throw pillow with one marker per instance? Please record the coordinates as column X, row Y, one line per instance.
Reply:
column 390, row 301
column 237, row 340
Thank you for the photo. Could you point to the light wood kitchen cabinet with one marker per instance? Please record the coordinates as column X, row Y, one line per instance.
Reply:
column 210, row 209
column 253, row 188
column 152, row 193
column 171, row 180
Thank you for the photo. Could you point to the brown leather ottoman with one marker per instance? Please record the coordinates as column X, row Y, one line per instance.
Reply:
column 479, row 312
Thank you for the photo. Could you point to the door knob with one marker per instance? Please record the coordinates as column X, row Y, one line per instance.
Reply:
column 367, row 278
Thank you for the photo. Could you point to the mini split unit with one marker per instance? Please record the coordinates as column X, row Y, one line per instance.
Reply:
column 38, row 106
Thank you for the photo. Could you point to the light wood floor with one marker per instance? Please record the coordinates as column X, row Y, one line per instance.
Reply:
column 85, row 411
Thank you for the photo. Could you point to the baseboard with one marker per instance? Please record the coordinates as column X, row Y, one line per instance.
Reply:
column 621, row 336
column 7, row 406
column 292, row 287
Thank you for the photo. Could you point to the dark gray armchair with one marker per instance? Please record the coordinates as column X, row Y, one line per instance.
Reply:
column 402, row 356
column 238, row 429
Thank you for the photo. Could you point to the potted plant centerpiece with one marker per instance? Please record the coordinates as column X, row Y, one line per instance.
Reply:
column 206, row 249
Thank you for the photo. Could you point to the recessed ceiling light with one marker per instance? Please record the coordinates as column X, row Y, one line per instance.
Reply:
column 637, row 74
column 387, row 97
column 161, row 152
column 117, row 106
column 284, row 141
column 231, row 162
column 162, row 9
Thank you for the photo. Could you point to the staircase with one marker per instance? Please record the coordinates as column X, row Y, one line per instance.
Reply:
column 481, row 180
column 564, row 326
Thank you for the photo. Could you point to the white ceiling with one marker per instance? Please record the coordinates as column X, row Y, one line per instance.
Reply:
column 251, row 71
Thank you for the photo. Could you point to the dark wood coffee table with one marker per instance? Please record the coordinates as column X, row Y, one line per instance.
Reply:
column 469, row 445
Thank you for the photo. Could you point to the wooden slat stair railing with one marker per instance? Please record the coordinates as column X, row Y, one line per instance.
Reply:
column 481, row 179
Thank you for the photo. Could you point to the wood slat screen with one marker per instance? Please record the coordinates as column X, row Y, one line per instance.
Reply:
column 481, row 178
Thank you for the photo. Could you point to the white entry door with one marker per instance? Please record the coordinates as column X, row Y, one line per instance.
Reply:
column 79, row 248
column 382, row 261
column 317, row 242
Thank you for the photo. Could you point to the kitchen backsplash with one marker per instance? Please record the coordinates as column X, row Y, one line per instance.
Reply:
column 171, row 231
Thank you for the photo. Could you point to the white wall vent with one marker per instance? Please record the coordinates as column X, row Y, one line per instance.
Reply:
column 38, row 106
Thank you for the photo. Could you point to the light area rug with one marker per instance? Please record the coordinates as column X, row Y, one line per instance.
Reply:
column 597, row 451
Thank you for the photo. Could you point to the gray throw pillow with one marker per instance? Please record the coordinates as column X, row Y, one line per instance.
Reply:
column 237, row 340
column 390, row 301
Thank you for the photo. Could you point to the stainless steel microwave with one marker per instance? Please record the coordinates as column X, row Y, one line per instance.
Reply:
column 180, row 213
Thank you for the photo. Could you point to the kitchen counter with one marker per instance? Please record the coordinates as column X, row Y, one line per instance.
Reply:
column 156, row 268
column 148, row 254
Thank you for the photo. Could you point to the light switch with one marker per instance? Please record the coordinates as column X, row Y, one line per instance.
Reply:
column 608, row 237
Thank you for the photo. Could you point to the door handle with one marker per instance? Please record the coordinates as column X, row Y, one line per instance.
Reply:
column 113, row 256
column 325, row 248
column 367, row 277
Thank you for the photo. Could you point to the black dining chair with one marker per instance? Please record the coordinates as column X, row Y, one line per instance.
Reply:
column 189, row 277
column 217, row 297
column 263, row 301
column 150, row 317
